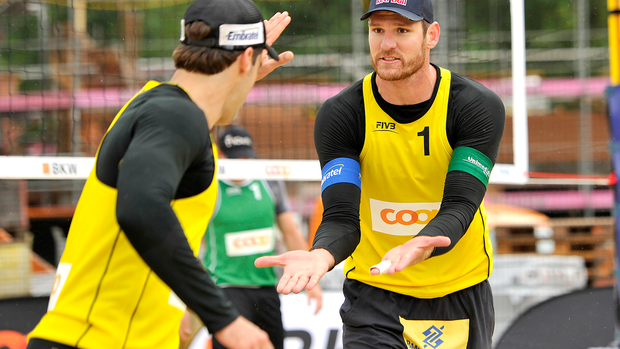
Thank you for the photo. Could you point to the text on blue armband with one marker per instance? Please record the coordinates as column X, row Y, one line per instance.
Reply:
column 341, row 170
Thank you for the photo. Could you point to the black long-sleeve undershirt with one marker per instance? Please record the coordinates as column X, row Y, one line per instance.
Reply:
column 160, row 150
column 475, row 119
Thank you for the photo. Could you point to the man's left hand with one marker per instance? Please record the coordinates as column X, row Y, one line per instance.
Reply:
column 274, row 27
column 412, row 252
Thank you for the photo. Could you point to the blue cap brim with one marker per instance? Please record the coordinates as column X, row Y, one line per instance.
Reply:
column 407, row 14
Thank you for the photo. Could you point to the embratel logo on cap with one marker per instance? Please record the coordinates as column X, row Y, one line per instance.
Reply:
column 241, row 34
column 400, row 2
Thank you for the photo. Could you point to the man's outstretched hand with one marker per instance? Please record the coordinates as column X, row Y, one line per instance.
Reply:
column 274, row 27
column 302, row 269
column 243, row 334
column 412, row 252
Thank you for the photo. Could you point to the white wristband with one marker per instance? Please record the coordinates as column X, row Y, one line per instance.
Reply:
column 383, row 266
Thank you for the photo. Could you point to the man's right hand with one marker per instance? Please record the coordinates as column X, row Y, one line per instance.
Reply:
column 302, row 269
column 243, row 334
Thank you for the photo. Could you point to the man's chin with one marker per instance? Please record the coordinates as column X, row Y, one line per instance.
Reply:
column 391, row 74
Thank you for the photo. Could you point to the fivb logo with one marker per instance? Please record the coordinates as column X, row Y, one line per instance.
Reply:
column 403, row 219
column 400, row 2
column 241, row 34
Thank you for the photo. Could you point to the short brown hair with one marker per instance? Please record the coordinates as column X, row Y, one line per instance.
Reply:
column 205, row 60
column 425, row 26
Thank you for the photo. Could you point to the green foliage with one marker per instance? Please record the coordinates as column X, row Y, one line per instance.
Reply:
column 316, row 17
column 552, row 15
column 162, row 29
column 19, row 33
column 311, row 21
column 318, row 26
column 58, row 14
column 103, row 25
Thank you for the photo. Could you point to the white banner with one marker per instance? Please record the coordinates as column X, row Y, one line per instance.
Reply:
column 304, row 330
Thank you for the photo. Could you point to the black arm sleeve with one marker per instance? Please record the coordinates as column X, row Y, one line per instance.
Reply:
column 338, row 133
column 149, row 174
column 477, row 121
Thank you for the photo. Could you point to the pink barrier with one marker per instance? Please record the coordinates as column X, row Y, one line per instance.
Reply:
column 294, row 94
column 555, row 200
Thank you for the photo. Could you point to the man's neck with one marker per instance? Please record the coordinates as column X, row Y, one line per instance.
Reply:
column 209, row 92
column 415, row 89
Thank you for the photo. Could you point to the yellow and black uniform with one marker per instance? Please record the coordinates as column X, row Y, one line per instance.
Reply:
column 129, row 266
column 424, row 170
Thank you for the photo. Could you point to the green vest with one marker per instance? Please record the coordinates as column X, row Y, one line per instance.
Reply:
column 241, row 230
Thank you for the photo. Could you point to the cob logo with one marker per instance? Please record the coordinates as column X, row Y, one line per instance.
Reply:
column 55, row 168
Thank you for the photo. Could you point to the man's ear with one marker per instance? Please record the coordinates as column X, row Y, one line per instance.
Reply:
column 432, row 35
column 245, row 60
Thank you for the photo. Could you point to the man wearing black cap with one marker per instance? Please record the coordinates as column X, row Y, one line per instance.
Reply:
column 406, row 155
column 129, row 269
column 242, row 228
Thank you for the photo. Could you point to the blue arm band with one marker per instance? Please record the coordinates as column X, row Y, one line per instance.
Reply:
column 341, row 170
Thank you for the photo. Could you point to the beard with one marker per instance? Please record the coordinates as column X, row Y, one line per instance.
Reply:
column 409, row 66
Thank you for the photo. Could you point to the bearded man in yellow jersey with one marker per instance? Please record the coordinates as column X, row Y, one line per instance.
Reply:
column 129, row 268
column 406, row 155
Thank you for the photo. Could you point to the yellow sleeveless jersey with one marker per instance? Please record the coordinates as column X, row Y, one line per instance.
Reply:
column 403, row 170
column 104, row 295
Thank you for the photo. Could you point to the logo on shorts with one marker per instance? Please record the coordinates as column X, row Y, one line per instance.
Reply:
column 432, row 337
column 431, row 334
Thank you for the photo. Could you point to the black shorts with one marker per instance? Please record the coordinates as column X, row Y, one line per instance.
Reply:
column 376, row 318
column 36, row 343
column 262, row 307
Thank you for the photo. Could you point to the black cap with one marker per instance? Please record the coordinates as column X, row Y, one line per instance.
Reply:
column 415, row 10
column 235, row 24
column 236, row 142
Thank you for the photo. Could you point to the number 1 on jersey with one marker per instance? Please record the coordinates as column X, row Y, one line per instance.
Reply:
column 425, row 133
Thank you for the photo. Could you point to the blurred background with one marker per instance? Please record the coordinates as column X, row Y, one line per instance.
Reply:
column 67, row 66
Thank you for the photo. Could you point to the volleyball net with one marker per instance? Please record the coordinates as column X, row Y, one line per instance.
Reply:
column 65, row 71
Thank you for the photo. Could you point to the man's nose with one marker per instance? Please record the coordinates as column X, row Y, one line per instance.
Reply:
column 388, row 42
